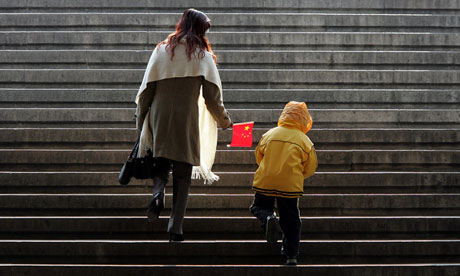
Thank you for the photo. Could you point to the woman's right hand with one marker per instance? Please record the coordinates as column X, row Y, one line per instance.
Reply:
column 230, row 126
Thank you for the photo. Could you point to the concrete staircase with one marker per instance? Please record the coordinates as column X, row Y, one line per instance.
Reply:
column 382, row 81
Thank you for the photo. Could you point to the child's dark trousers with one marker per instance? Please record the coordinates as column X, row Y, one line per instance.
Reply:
column 289, row 219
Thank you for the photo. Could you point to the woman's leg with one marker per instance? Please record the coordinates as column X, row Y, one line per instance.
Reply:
column 161, row 175
column 182, row 173
column 290, row 224
column 160, row 179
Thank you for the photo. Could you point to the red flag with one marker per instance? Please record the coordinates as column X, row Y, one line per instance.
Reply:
column 242, row 135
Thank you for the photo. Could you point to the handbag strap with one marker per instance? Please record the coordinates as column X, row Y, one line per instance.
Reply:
column 134, row 151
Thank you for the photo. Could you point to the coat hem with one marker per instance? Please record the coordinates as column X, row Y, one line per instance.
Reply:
column 277, row 193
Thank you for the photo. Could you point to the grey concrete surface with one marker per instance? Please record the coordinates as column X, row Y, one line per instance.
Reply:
column 245, row 98
column 215, row 250
column 208, row 228
column 236, row 157
column 256, row 270
column 258, row 40
column 381, row 5
column 75, row 138
column 240, row 182
column 236, row 78
column 232, row 58
column 381, row 79
column 124, row 117
column 231, row 204
column 241, row 21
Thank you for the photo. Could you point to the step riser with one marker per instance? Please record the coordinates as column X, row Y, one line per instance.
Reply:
column 74, row 117
column 20, row 182
column 385, row 72
column 221, row 40
column 130, row 59
column 160, row 270
column 337, row 212
column 312, row 103
column 323, row 138
column 243, row 168
column 199, row 188
column 222, row 228
column 231, row 261
column 226, row 160
column 245, row 98
column 223, row 145
column 258, row 21
column 163, row 252
column 235, row 205
column 380, row 5
column 232, row 76
column 320, row 125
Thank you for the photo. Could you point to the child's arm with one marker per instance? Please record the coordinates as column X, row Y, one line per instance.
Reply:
column 309, row 166
column 259, row 152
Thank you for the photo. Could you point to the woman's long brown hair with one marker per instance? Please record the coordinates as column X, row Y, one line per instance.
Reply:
column 192, row 26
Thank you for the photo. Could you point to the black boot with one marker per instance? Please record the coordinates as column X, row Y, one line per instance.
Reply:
column 176, row 237
column 156, row 206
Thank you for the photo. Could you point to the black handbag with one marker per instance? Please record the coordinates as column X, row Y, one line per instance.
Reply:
column 139, row 168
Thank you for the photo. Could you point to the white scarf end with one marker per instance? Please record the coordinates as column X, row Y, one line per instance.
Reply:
column 208, row 176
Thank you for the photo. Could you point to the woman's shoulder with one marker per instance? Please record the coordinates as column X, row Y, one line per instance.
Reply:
column 207, row 57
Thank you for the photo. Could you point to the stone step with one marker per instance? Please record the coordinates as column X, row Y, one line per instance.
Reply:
column 230, row 21
column 332, row 197
column 370, row 138
column 435, row 204
column 123, row 138
column 355, row 160
column 215, row 228
column 283, row 59
column 231, row 40
column 226, row 252
column 238, row 78
column 331, row 118
column 110, row 138
column 254, row 270
column 344, row 98
column 234, row 160
column 233, row 182
column 425, row 6
column 241, row 98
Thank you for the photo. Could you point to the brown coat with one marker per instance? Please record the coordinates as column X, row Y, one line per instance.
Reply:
column 174, row 115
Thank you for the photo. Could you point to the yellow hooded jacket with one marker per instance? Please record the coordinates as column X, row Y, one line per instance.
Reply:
column 285, row 154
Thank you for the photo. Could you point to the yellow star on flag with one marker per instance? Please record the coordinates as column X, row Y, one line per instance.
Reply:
column 242, row 134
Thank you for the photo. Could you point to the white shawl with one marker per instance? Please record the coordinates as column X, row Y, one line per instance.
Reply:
column 161, row 67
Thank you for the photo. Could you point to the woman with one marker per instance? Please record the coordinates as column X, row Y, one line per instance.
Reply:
column 176, row 124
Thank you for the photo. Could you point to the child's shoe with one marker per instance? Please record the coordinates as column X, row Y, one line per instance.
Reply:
column 291, row 260
column 272, row 229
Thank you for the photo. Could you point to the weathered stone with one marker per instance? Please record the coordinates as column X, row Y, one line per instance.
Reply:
column 231, row 58
column 255, row 270
column 300, row 21
column 379, row 5
column 147, row 40
column 380, row 78
column 124, row 117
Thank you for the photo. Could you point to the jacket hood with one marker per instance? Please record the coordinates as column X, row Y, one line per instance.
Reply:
column 296, row 115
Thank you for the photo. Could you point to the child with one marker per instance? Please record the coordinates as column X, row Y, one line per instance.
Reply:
column 286, row 157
